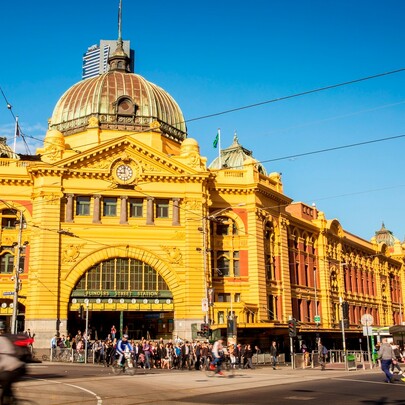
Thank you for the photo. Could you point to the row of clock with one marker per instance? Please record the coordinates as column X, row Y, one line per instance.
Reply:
column 123, row 301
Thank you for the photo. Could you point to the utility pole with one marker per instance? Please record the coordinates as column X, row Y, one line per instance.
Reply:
column 16, row 277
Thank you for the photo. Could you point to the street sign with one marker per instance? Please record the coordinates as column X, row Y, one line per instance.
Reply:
column 366, row 320
column 317, row 319
column 8, row 293
column 367, row 331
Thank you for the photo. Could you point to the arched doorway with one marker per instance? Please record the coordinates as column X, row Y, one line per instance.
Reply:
column 125, row 292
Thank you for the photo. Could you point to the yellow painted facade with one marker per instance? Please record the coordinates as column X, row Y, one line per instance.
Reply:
column 123, row 217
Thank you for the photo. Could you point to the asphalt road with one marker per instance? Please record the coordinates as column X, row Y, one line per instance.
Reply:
column 57, row 384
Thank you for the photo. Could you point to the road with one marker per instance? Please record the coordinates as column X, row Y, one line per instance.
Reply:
column 57, row 384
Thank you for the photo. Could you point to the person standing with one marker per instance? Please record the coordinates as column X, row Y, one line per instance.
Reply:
column 273, row 354
column 322, row 353
column 113, row 332
column 386, row 354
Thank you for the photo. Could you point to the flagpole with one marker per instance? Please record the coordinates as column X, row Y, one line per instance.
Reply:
column 219, row 148
column 15, row 133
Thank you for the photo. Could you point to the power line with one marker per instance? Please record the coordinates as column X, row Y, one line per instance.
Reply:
column 352, row 145
column 304, row 93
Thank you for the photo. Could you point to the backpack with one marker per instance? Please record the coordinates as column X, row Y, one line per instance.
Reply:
column 324, row 350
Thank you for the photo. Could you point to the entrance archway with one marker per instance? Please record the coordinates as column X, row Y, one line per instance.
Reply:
column 122, row 291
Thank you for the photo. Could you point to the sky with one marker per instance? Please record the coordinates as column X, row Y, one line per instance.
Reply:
column 216, row 56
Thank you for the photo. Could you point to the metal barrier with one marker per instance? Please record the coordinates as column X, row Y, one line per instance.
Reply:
column 265, row 359
column 69, row 355
column 354, row 358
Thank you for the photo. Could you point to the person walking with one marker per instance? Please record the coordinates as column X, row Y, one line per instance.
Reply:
column 248, row 356
column 273, row 354
column 386, row 354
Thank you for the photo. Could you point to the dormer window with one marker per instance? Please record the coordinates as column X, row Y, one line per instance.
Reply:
column 125, row 106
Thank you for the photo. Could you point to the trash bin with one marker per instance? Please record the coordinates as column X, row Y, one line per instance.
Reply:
column 351, row 362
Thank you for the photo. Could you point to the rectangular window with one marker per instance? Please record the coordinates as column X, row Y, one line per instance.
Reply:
column 136, row 273
column 93, row 279
column 135, row 207
column 221, row 318
column 8, row 219
column 108, row 276
column 82, row 205
column 224, row 297
column 236, row 267
column 6, row 263
column 122, row 274
column 271, row 307
column 109, row 207
column 222, row 264
column 149, row 278
column 162, row 208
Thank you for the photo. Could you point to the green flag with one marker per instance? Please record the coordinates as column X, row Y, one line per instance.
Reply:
column 215, row 143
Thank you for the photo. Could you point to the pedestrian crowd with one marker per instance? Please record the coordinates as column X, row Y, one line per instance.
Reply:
column 172, row 354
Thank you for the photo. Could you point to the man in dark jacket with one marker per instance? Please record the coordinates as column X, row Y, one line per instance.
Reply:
column 273, row 354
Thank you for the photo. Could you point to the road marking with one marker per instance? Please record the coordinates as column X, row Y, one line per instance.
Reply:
column 99, row 400
column 368, row 382
column 298, row 398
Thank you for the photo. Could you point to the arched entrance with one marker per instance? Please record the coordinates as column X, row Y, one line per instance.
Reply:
column 125, row 292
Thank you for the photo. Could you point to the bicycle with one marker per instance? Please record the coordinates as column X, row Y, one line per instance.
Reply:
column 227, row 369
column 129, row 366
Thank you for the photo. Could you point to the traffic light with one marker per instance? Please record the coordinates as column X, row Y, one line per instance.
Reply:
column 292, row 328
column 81, row 312
column 204, row 330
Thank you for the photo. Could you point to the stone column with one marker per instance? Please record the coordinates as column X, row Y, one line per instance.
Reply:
column 150, row 220
column 69, row 208
column 124, row 213
column 176, row 212
column 96, row 209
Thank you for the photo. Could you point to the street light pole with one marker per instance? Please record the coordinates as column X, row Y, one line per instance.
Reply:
column 16, row 278
column 342, row 324
column 205, row 305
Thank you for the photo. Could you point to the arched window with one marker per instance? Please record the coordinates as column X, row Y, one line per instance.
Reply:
column 122, row 274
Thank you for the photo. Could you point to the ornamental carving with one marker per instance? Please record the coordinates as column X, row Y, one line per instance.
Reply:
column 194, row 160
column 334, row 283
column 174, row 255
column 193, row 205
column 179, row 236
column 93, row 122
column 148, row 167
column 71, row 253
column 49, row 199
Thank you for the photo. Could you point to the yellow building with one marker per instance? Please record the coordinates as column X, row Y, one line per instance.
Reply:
column 118, row 218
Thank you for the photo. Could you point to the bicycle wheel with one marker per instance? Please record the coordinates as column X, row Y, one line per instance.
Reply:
column 229, row 369
column 117, row 368
column 208, row 371
column 130, row 367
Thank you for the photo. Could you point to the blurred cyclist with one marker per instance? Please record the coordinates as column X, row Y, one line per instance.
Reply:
column 122, row 345
column 218, row 352
column 11, row 367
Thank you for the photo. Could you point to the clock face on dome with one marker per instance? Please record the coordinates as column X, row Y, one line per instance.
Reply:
column 124, row 172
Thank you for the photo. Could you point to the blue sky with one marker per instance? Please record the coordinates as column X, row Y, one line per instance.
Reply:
column 213, row 56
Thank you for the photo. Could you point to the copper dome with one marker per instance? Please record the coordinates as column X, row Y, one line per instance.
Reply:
column 119, row 100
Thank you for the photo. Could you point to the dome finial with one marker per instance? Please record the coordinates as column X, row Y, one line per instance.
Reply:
column 120, row 21
column 119, row 60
